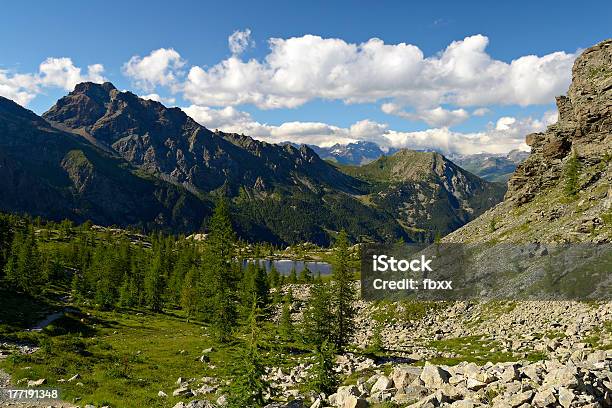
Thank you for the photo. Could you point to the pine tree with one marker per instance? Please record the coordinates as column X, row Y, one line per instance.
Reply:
column 319, row 318
column 273, row 277
column 343, row 292
column 293, row 276
column 572, row 169
column 248, row 383
column 323, row 378
column 154, row 284
column 189, row 294
column 6, row 239
column 78, row 287
column 23, row 266
column 221, row 273
column 285, row 324
column 305, row 275
column 128, row 292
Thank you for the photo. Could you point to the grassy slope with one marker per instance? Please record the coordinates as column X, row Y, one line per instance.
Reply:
column 123, row 359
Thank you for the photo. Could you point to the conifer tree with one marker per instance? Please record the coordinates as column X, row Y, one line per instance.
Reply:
column 285, row 324
column 305, row 275
column 343, row 292
column 248, row 383
column 273, row 277
column 23, row 266
column 323, row 378
column 154, row 284
column 189, row 295
column 292, row 276
column 77, row 286
column 572, row 168
column 6, row 239
column 128, row 292
column 220, row 272
column 319, row 317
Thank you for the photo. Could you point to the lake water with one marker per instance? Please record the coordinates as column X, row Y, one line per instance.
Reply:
column 284, row 266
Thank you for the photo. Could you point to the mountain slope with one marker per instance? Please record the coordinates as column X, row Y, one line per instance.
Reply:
column 56, row 174
column 563, row 191
column 491, row 167
column 167, row 142
column 114, row 158
column 278, row 194
column 427, row 193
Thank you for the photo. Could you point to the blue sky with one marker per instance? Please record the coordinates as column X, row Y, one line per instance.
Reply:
column 423, row 95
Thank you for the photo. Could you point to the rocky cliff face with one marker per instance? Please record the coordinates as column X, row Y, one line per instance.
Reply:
column 584, row 126
column 165, row 141
column 563, row 191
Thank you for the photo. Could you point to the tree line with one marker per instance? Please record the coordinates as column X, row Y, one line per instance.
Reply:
column 207, row 280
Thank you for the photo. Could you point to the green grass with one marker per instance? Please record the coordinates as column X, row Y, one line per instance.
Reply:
column 125, row 357
column 473, row 349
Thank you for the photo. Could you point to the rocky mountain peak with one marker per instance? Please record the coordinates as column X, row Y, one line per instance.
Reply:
column 563, row 191
column 584, row 127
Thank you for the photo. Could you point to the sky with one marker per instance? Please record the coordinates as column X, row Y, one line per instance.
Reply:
column 458, row 77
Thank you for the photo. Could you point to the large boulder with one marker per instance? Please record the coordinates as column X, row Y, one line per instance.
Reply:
column 433, row 376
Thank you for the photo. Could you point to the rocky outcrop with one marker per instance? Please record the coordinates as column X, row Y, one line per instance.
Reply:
column 562, row 192
column 584, row 127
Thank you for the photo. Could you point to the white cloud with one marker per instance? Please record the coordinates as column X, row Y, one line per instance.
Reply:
column 52, row 73
column 299, row 69
column 506, row 134
column 159, row 98
column 61, row 73
column 160, row 67
column 437, row 117
column 481, row 112
column 240, row 41
column 21, row 88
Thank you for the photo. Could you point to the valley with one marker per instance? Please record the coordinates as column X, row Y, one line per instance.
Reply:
column 148, row 261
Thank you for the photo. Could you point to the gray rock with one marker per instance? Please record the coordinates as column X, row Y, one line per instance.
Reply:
column 354, row 402
column 474, row 385
column 566, row 397
column 383, row 383
column 544, row 398
column 521, row 398
column 433, row 376
column 403, row 375
column 199, row 404
column 182, row 392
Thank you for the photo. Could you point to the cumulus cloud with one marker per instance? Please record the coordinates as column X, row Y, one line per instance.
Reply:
column 159, row 98
column 240, row 41
column 437, row 117
column 160, row 67
column 52, row 73
column 61, row 73
column 505, row 134
column 299, row 69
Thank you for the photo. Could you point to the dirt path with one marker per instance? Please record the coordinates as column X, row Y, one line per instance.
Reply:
column 51, row 318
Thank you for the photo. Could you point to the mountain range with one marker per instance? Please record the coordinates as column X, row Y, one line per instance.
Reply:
column 495, row 167
column 114, row 158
